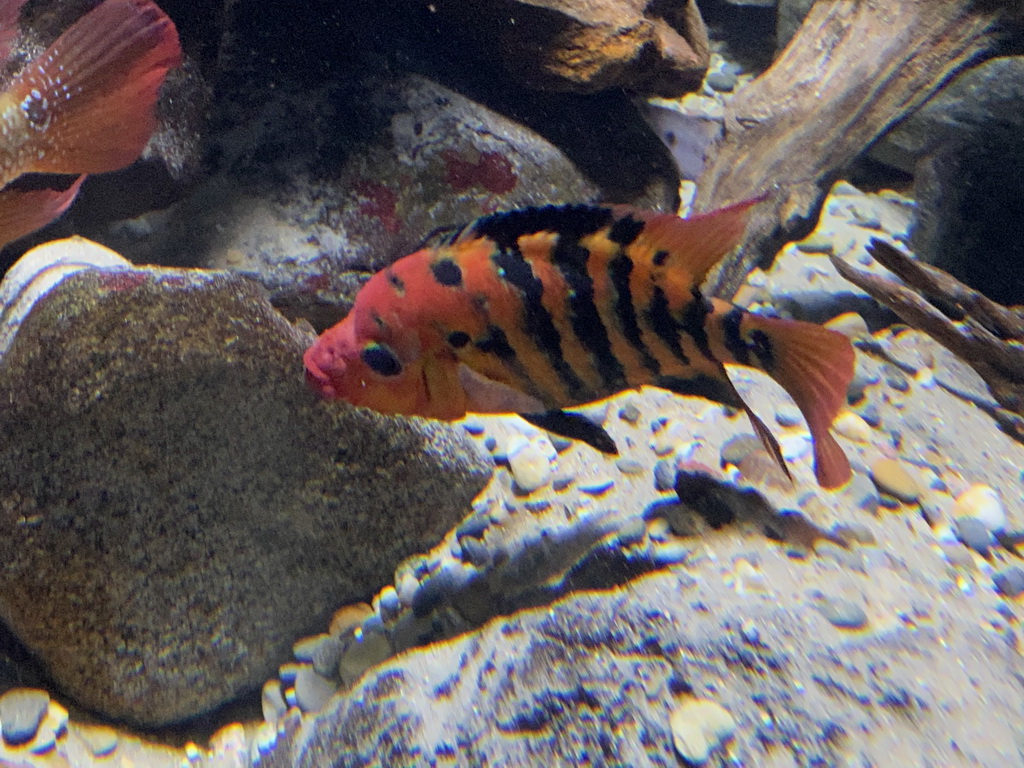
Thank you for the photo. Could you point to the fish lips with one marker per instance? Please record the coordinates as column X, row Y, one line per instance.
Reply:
column 316, row 359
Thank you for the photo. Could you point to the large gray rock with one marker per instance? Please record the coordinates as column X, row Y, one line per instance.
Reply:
column 176, row 507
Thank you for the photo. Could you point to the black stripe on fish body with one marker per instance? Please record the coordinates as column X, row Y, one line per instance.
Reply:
column 513, row 267
column 701, row 385
column 496, row 343
column 659, row 315
column 447, row 272
column 625, row 230
column 571, row 259
column 660, row 258
column 732, row 337
column 762, row 347
column 693, row 323
column 574, row 221
column 619, row 268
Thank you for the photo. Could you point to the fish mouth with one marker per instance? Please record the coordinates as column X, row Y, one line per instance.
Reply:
column 316, row 378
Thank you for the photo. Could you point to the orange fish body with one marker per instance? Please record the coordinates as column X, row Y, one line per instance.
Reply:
column 542, row 309
column 85, row 105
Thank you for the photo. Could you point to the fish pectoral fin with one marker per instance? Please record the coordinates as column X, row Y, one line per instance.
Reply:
column 485, row 395
column 574, row 426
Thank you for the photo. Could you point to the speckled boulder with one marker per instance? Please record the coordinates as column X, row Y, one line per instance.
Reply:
column 176, row 507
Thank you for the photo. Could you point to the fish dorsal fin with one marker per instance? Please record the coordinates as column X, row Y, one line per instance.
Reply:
column 696, row 244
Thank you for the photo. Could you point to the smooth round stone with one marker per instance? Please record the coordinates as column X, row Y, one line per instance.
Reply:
column 818, row 242
column 562, row 481
column 981, row 502
column 265, row 738
column 628, row 466
column 737, row 448
column 313, row 691
column 326, row 656
column 348, row 617
column 972, row 533
column 272, row 701
column 871, row 414
column 840, row 612
column 664, row 476
column 895, row 378
column 597, row 486
column 21, row 712
column 852, row 427
column 475, row 552
column 850, row 324
column 788, row 415
column 1010, row 581
column 304, row 649
column 630, row 413
column 438, row 587
column 370, row 648
column 893, row 477
column 475, row 526
column 723, row 82
column 406, row 585
column 473, row 427
column 530, row 464
column 795, row 446
column 758, row 468
column 100, row 740
column 388, row 604
column 699, row 726
column 632, row 532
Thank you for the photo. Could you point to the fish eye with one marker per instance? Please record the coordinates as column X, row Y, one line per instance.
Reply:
column 381, row 359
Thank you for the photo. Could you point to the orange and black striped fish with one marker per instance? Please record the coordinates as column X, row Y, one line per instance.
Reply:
column 541, row 309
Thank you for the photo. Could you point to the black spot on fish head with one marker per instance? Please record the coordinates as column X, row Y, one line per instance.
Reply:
column 447, row 272
column 396, row 283
column 458, row 339
column 381, row 359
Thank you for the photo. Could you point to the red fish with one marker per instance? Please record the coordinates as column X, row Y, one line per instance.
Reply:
column 541, row 309
column 85, row 105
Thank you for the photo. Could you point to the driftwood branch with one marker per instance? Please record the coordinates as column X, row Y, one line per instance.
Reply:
column 987, row 336
column 853, row 69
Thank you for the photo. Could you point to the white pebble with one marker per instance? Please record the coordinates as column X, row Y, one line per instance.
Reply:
column 700, row 726
column 530, row 462
column 983, row 504
column 795, row 446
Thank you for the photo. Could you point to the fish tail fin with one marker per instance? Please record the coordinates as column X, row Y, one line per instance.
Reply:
column 25, row 211
column 89, row 99
column 696, row 244
column 815, row 366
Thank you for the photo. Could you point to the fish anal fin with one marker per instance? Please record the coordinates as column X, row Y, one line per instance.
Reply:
column 815, row 366
column 574, row 426
column 25, row 211
column 696, row 244
column 90, row 97
column 485, row 395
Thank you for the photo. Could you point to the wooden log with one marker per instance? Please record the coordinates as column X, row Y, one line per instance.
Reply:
column 853, row 69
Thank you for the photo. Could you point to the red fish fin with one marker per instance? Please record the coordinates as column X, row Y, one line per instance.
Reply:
column 815, row 366
column 22, row 212
column 484, row 395
column 695, row 244
column 9, row 10
column 90, row 97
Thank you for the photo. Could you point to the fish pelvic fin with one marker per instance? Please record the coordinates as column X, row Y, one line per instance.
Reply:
column 25, row 211
column 574, row 426
column 694, row 245
column 815, row 366
column 89, row 99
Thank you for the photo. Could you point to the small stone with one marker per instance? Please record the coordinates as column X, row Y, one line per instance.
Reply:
column 632, row 532
column 348, row 617
column 817, row 242
column 266, row 738
column 100, row 740
column 982, row 502
column 839, row 611
column 406, row 585
column 630, row 413
column 972, row 533
column 850, row 324
column 871, row 414
column 272, row 701
column 788, row 415
column 54, row 725
column 369, row 648
column 21, row 712
column 473, row 427
column 894, row 478
column 737, row 448
column 475, row 552
column 326, row 655
column 312, row 691
column 855, row 533
column 475, row 526
column 304, row 649
column 670, row 553
column 1010, row 581
column 628, row 466
column 388, row 604
column 723, row 82
column 699, row 726
column 664, row 476
column 562, row 481
column 895, row 378
column 597, row 486
column 795, row 446
column 530, row 465
column 760, row 469
column 862, row 379
column 852, row 427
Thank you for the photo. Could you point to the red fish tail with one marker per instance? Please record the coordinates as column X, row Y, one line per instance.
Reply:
column 25, row 211
column 89, row 99
column 815, row 366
